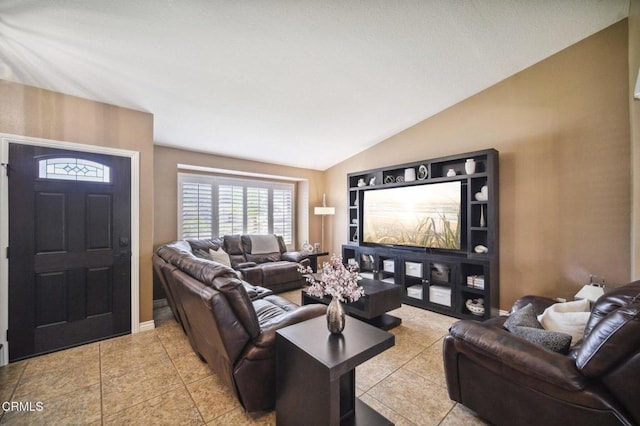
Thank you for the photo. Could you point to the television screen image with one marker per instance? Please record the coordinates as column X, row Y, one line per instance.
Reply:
column 426, row 215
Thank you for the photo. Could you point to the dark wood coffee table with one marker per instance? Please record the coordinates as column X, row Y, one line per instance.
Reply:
column 379, row 298
column 316, row 373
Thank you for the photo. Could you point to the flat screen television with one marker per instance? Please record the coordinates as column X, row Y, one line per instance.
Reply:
column 428, row 215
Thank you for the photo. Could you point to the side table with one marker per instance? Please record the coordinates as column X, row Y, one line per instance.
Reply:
column 315, row 373
column 313, row 259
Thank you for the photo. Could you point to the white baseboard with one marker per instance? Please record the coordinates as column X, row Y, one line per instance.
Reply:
column 147, row 325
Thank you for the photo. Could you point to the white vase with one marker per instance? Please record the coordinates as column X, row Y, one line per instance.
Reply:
column 470, row 166
column 409, row 174
column 483, row 223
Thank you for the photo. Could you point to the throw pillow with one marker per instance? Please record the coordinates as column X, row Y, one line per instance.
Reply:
column 552, row 340
column 568, row 317
column 523, row 317
column 220, row 256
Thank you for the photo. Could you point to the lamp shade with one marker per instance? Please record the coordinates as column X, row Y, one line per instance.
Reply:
column 590, row 292
column 324, row 211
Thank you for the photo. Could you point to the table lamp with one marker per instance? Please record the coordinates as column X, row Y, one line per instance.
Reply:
column 591, row 291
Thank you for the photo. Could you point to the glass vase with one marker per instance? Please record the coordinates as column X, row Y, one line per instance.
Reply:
column 335, row 316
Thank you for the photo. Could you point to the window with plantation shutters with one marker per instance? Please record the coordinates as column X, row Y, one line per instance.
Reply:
column 230, row 209
column 258, row 211
column 196, row 210
column 282, row 213
column 211, row 206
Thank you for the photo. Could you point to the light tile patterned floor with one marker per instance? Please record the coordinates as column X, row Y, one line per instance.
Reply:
column 155, row 378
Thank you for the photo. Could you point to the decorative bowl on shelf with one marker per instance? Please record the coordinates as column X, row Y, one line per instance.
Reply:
column 475, row 306
column 480, row 196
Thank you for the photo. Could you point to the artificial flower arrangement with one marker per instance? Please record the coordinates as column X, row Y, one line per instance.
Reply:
column 334, row 280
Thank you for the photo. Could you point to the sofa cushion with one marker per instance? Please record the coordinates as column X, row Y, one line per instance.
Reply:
column 552, row 340
column 567, row 317
column 201, row 254
column 220, row 256
column 256, row 292
column 264, row 257
column 523, row 317
column 266, row 310
column 233, row 246
column 279, row 272
column 205, row 244
column 272, row 309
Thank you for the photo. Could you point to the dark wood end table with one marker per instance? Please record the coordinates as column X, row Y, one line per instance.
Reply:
column 313, row 259
column 315, row 373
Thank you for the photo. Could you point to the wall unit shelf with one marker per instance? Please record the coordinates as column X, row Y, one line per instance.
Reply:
column 441, row 280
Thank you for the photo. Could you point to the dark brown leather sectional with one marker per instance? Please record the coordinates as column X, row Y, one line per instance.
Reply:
column 277, row 271
column 509, row 380
column 230, row 323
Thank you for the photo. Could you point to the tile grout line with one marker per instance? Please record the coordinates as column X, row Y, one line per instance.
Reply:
column 15, row 387
column 146, row 400
column 182, row 380
column 101, row 383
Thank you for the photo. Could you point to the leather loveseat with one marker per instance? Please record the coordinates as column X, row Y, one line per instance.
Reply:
column 509, row 380
column 230, row 323
column 263, row 260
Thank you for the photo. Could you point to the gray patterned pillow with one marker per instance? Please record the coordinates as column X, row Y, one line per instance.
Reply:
column 552, row 340
column 523, row 317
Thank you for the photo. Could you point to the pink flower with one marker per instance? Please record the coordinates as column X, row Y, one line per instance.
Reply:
column 335, row 280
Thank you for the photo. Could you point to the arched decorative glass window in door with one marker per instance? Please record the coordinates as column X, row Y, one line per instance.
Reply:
column 73, row 169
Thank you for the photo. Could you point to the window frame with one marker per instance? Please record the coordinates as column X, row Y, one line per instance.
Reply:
column 217, row 180
column 95, row 172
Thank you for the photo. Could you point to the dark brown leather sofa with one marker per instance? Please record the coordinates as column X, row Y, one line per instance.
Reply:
column 230, row 324
column 508, row 380
column 276, row 270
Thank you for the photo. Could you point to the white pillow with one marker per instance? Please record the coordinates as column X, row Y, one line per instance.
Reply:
column 220, row 256
column 568, row 317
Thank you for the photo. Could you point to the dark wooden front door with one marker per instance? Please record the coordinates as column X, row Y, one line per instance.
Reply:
column 69, row 248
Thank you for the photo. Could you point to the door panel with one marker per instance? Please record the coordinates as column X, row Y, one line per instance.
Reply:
column 70, row 266
column 99, row 220
column 49, row 222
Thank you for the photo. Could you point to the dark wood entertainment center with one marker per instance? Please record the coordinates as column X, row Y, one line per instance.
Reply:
column 441, row 280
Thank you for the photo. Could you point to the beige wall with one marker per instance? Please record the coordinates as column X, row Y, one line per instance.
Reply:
column 562, row 130
column 33, row 112
column 166, row 182
column 634, row 105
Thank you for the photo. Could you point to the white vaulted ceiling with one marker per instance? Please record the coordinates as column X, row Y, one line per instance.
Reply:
column 296, row 82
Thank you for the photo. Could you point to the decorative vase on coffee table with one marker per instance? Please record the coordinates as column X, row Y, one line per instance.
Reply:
column 335, row 316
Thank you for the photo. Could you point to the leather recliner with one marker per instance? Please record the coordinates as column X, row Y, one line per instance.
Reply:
column 230, row 324
column 509, row 380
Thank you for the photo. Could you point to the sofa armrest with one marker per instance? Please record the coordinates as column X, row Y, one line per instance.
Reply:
column 243, row 265
column 539, row 303
column 267, row 337
column 518, row 354
column 294, row 256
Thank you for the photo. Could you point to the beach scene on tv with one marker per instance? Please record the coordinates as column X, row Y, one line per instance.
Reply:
column 421, row 216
